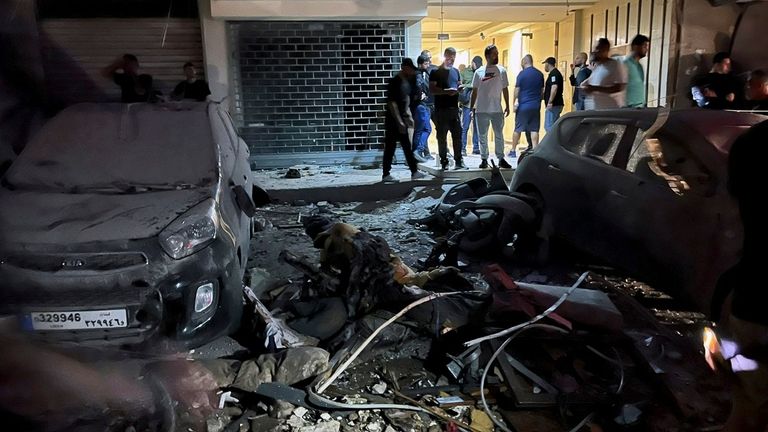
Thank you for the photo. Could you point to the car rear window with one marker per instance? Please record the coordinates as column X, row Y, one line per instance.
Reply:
column 100, row 144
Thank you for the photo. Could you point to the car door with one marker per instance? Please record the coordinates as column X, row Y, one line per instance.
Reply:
column 665, row 223
column 584, row 171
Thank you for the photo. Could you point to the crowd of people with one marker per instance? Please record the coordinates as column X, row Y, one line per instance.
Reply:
column 457, row 100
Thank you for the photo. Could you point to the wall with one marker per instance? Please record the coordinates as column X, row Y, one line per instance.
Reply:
column 335, row 10
column 705, row 30
column 619, row 21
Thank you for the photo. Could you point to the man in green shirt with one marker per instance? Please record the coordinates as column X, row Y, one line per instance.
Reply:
column 635, row 74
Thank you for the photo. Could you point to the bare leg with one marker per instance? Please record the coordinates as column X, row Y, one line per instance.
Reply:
column 534, row 139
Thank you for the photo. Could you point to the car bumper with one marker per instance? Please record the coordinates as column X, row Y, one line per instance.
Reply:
column 156, row 291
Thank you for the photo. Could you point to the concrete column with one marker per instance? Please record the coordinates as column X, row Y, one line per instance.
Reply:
column 413, row 39
column 216, row 53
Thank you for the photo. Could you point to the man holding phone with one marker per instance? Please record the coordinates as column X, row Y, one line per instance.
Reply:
column 445, row 83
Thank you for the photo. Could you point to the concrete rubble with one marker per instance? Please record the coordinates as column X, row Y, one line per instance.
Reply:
column 392, row 328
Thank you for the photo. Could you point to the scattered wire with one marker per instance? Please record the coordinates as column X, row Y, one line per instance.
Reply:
column 378, row 330
column 533, row 320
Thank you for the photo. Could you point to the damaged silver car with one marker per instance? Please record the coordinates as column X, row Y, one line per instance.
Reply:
column 644, row 190
column 128, row 223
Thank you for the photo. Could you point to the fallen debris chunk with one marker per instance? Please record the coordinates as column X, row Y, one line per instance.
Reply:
column 331, row 426
column 281, row 410
column 293, row 173
column 266, row 424
column 480, row 421
column 302, row 363
column 379, row 389
column 279, row 335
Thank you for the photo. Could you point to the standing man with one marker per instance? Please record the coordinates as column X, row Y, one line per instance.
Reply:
column 421, row 111
column 191, row 87
column 445, row 83
column 527, row 102
column 718, row 89
column 553, row 93
column 467, row 120
column 579, row 73
column 134, row 87
column 635, row 73
column 398, row 120
column 605, row 88
column 490, row 83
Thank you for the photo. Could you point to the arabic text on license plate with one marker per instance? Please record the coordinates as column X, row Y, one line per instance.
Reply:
column 79, row 320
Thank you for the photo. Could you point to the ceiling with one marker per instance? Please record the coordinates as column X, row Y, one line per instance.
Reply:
column 489, row 11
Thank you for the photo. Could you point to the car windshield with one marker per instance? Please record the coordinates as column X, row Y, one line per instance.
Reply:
column 114, row 148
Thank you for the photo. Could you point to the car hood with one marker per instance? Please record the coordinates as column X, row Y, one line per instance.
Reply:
column 33, row 217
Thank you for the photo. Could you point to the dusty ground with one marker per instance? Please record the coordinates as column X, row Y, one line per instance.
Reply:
column 669, row 335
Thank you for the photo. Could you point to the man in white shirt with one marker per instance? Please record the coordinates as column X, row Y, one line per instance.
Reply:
column 606, row 87
column 489, row 84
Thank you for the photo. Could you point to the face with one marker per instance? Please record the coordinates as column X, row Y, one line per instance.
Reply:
column 642, row 50
column 580, row 60
column 449, row 59
column 131, row 67
column 425, row 65
column 725, row 66
column 757, row 89
column 548, row 67
column 190, row 72
column 493, row 57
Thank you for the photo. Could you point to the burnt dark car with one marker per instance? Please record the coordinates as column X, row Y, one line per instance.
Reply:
column 643, row 190
column 127, row 224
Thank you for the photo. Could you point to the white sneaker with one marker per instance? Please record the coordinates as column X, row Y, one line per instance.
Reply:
column 418, row 176
column 388, row 179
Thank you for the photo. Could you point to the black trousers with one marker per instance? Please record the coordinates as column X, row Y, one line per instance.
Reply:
column 448, row 119
column 392, row 135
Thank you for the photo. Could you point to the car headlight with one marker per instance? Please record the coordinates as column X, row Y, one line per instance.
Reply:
column 191, row 231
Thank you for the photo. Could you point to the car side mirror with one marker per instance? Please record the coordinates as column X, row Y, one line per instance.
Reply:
column 244, row 201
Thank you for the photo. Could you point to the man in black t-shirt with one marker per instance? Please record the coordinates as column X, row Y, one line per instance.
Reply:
column 191, row 88
column 134, row 87
column 399, row 121
column 718, row 89
column 553, row 93
column 445, row 83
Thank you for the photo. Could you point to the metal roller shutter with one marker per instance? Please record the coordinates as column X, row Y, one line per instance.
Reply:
column 75, row 51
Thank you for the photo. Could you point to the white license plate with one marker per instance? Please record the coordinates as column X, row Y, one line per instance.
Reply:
column 78, row 320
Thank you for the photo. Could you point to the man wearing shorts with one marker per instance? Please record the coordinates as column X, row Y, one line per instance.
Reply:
column 527, row 102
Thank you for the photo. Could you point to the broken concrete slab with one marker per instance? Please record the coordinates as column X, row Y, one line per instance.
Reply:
column 267, row 424
column 302, row 363
column 586, row 306
column 223, row 371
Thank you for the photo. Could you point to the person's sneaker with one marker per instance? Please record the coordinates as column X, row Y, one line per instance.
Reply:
column 418, row 175
column 388, row 178
column 427, row 155
column 460, row 166
column 484, row 164
column 444, row 166
column 504, row 164
column 419, row 158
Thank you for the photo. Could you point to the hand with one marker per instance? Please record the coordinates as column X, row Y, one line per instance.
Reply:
column 550, row 106
column 516, row 106
column 402, row 128
column 423, row 96
column 409, row 122
column 731, row 97
column 506, row 111
column 573, row 67
column 709, row 93
column 451, row 92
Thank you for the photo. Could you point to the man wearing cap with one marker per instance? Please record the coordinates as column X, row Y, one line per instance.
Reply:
column 553, row 93
column 399, row 120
